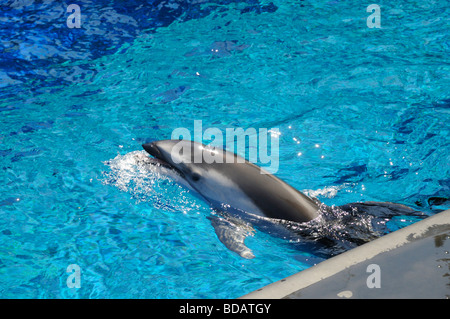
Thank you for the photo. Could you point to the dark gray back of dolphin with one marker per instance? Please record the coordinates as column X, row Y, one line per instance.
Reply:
column 274, row 197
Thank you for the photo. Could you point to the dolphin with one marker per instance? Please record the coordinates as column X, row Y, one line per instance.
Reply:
column 244, row 193
column 232, row 180
column 233, row 184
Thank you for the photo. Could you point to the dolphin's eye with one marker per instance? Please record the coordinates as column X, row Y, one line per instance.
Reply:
column 195, row 177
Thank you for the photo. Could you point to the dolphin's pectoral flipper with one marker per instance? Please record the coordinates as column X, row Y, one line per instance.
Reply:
column 232, row 235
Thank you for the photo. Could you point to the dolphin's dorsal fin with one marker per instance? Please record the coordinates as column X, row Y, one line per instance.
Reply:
column 232, row 234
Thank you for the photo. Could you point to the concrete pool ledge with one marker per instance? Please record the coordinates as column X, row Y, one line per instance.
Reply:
column 412, row 262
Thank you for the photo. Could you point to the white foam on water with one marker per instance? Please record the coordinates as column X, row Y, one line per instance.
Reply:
column 146, row 180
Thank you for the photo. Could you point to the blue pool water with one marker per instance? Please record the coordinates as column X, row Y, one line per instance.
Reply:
column 363, row 115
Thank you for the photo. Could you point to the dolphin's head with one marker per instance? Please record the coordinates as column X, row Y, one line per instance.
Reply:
column 186, row 157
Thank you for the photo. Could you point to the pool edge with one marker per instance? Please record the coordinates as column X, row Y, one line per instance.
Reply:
column 315, row 274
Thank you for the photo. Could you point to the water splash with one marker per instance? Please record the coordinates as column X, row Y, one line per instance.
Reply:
column 334, row 231
column 147, row 180
column 328, row 191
